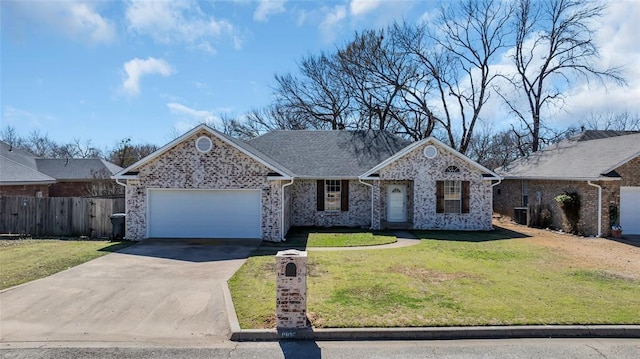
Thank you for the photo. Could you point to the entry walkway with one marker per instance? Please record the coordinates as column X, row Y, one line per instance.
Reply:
column 405, row 239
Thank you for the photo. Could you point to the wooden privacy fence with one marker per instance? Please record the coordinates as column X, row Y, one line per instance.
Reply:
column 58, row 216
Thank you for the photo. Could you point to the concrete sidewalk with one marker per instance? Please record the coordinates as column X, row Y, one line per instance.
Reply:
column 405, row 239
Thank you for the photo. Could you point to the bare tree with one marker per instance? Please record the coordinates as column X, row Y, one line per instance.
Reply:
column 620, row 121
column 554, row 45
column 375, row 74
column 317, row 94
column 11, row 137
column 124, row 154
column 102, row 185
column 493, row 149
column 456, row 51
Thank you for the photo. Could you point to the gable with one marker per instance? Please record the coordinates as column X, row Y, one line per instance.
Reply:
column 217, row 137
column 185, row 163
column 629, row 172
column 412, row 160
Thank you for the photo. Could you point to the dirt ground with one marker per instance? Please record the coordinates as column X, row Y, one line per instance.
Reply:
column 601, row 253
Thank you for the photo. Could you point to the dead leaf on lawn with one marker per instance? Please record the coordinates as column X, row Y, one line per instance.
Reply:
column 269, row 322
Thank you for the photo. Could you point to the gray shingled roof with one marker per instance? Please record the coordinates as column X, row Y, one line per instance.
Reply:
column 12, row 172
column 576, row 159
column 321, row 154
column 17, row 155
column 19, row 167
column 78, row 169
column 598, row 134
column 256, row 152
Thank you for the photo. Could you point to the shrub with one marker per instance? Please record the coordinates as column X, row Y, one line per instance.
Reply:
column 570, row 205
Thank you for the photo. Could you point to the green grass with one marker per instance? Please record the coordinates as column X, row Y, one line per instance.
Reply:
column 334, row 237
column 450, row 278
column 26, row 260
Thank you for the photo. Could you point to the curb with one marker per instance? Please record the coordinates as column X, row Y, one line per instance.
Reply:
column 439, row 333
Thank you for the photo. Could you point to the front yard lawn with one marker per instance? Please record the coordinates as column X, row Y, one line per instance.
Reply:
column 334, row 237
column 26, row 260
column 451, row 278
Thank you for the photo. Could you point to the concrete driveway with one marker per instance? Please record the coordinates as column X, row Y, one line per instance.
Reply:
column 163, row 292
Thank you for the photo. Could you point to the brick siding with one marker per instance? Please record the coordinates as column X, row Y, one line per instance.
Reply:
column 184, row 167
column 25, row 190
column 304, row 210
column 423, row 173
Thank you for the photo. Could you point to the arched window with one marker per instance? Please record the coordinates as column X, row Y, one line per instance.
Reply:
column 452, row 169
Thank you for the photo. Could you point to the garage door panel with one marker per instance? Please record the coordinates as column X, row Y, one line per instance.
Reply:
column 630, row 210
column 204, row 213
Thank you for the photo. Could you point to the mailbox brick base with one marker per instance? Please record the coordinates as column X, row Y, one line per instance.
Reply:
column 291, row 289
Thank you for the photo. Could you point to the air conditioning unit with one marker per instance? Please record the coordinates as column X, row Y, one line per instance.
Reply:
column 520, row 215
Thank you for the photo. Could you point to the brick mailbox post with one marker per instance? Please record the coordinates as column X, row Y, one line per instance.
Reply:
column 291, row 289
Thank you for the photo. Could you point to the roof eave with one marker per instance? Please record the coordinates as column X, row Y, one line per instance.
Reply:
column 25, row 183
column 349, row 177
column 550, row 178
column 124, row 177
column 622, row 162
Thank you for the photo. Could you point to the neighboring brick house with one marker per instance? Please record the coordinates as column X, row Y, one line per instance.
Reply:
column 602, row 167
column 19, row 175
column 81, row 177
column 23, row 174
column 206, row 184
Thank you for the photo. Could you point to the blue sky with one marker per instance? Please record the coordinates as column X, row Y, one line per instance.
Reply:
column 105, row 70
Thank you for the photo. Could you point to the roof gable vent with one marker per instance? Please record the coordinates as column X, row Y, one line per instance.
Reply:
column 430, row 152
column 204, row 144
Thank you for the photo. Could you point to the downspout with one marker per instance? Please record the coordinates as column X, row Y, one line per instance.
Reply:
column 370, row 186
column 282, row 238
column 493, row 185
column 599, row 206
column 122, row 184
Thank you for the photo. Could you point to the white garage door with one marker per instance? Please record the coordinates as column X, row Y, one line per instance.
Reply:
column 630, row 210
column 181, row 213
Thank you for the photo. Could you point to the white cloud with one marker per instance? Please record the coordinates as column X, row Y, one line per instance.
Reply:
column 190, row 117
column 77, row 20
column 331, row 22
column 267, row 8
column 360, row 7
column 22, row 118
column 178, row 22
column 616, row 35
column 137, row 68
column 199, row 115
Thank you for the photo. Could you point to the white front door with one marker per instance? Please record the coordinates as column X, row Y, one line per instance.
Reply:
column 396, row 208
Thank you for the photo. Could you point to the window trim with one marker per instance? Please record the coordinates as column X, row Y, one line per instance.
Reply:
column 330, row 202
column 464, row 196
column 321, row 188
column 452, row 188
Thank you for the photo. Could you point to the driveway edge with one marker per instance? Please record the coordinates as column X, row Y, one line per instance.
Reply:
column 441, row 333
column 234, row 324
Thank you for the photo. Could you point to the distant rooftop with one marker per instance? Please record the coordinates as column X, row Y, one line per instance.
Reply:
column 599, row 134
column 76, row 168
column 21, row 167
column 588, row 156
